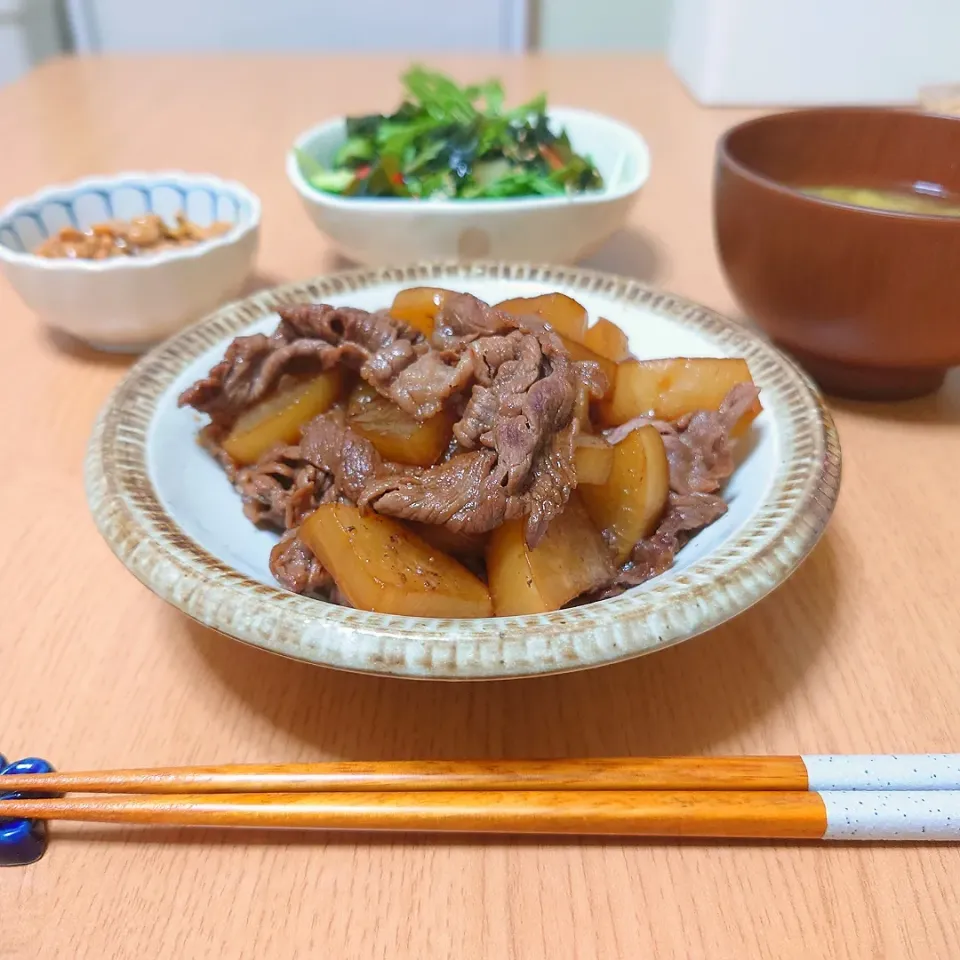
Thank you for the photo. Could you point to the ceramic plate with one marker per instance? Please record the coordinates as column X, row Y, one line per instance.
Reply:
column 169, row 514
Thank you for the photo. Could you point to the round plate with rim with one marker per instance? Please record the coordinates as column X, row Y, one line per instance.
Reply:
column 169, row 514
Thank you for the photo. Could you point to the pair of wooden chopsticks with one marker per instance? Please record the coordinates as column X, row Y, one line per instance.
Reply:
column 811, row 797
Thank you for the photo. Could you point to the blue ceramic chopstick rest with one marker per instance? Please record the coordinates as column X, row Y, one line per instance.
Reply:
column 21, row 841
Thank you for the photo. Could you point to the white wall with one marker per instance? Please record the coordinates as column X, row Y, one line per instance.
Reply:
column 585, row 25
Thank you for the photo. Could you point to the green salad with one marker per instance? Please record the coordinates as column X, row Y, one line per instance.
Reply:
column 451, row 141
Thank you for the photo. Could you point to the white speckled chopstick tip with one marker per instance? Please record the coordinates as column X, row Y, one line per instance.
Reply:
column 883, row 772
column 892, row 815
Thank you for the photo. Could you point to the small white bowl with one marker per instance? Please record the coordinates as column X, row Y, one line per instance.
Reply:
column 552, row 229
column 130, row 303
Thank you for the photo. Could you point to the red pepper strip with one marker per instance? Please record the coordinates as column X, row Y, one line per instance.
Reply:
column 551, row 156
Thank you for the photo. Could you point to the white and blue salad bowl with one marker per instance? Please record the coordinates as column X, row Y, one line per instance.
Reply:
column 130, row 303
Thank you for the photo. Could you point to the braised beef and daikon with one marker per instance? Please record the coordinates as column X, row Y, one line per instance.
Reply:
column 448, row 458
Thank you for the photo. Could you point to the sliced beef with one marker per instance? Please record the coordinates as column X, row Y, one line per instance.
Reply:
column 281, row 488
column 463, row 318
column 330, row 463
column 507, row 367
column 529, row 401
column 553, row 478
column 309, row 339
column 685, row 515
column 468, row 495
column 701, row 451
column 387, row 353
column 368, row 332
column 699, row 447
column 687, row 512
column 422, row 386
column 526, row 416
column 287, row 484
column 349, row 459
column 461, row 493
column 521, row 412
column 490, row 353
column 296, row 568
column 392, row 356
column 223, row 392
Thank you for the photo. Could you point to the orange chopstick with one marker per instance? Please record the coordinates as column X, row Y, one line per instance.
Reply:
column 654, row 813
column 627, row 773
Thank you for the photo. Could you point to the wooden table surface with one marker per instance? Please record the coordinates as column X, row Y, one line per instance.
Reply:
column 859, row 652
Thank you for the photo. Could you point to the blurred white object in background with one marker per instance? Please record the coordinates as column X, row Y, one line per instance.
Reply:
column 807, row 52
column 135, row 26
column 29, row 33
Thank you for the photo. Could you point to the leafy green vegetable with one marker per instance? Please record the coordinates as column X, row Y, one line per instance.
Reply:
column 354, row 152
column 451, row 141
column 330, row 181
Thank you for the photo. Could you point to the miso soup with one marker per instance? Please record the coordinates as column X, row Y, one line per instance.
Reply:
column 905, row 200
